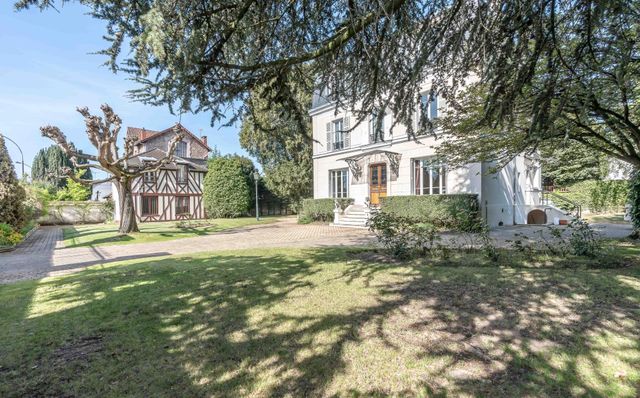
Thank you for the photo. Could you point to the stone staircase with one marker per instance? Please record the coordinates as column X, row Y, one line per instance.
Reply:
column 354, row 216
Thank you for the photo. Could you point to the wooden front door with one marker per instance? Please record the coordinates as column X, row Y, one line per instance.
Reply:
column 377, row 182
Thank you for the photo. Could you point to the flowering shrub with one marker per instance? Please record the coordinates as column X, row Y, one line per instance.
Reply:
column 9, row 237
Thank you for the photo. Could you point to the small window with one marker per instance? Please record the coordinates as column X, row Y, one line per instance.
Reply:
column 150, row 176
column 373, row 125
column 429, row 177
column 182, row 174
column 181, row 149
column 339, row 183
column 150, row 205
column 428, row 111
column 338, row 134
column 182, row 205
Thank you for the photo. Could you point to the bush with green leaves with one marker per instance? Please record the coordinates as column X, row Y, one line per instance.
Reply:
column 633, row 200
column 456, row 212
column 598, row 196
column 9, row 236
column 227, row 188
column 321, row 209
column 402, row 236
column 74, row 191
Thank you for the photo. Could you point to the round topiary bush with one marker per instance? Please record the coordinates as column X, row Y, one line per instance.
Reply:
column 227, row 190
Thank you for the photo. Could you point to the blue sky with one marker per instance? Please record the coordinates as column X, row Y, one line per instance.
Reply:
column 47, row 70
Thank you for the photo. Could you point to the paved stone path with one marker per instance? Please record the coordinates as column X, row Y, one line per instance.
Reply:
column 44, row 255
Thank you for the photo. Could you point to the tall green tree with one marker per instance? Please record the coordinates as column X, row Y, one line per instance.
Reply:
column 565, row 163
column 227, row 187
column 12, row 194
column 375, row 53
column 48, row 166
column 282, row 143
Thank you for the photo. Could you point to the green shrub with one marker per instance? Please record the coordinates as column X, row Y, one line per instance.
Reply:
column 227, row 190
column 598, row 196
column 457, row 212
column 401, row 236
column 9, row 237
column 12, row 194
column 321, row 209
column 634, row 201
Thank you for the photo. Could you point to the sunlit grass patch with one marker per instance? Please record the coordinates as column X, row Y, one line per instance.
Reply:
column 321, row 322
column 107, row 234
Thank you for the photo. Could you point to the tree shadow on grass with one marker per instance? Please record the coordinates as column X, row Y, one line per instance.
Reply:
column 320, row 323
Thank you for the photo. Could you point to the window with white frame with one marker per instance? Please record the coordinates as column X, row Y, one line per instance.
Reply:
column 181, row 149
column 338, row 135
column 339, row 183
column 376, row 128
column 428, row 109
column 429, row 177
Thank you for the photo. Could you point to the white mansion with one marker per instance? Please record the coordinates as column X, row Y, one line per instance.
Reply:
column 351, row 164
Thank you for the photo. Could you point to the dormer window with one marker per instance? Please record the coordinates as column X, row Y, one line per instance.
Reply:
column 181, row 149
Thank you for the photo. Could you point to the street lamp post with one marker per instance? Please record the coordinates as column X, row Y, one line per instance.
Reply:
column 24, row 164
column 21, row 155
column 256, row 176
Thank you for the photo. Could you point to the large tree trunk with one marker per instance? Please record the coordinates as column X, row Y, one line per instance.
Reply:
column 128, row 221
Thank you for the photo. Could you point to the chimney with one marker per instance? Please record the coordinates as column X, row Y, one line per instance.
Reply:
column 204, row 139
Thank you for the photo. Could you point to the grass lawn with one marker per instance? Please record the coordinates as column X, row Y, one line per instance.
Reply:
column 613, row 218
column 107, row 234
column 322, row 322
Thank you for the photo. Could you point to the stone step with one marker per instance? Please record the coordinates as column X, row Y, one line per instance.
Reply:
column 349, row 226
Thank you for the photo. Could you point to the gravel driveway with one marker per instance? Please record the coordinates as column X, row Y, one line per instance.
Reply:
column 44, row 255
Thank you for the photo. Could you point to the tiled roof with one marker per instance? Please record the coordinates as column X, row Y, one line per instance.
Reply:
column 155, row 154
column 143, row 134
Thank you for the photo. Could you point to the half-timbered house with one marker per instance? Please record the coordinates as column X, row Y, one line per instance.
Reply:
column 174, row 191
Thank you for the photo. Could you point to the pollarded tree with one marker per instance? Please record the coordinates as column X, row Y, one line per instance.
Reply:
column 103, row 135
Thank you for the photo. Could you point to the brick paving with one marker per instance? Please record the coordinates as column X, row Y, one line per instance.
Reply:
column 44, row 255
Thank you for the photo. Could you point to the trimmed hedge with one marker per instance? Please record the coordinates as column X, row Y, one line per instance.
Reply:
column 321, row 209
column 458, row 212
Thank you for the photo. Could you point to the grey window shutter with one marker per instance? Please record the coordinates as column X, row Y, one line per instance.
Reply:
column 329, row 136
column 347, row 133
column 372, row 129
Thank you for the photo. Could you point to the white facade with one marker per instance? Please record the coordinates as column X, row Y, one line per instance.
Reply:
column 505, row 198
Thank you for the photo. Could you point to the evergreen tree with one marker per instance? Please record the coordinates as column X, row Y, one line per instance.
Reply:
column 12, row 194
column 48, row 166
column 227, row 188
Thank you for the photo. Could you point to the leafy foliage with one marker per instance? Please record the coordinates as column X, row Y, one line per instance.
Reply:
column 73, row 190
column 401, row 236
column 321, row 209
column 12, row 194
column 457, row 212
column 566, row 163
column 281, row 142
column 634, row 201
column 227, row 187
column 598, row 196
column 566, row 59
column 48, row 166
column 9, row 236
